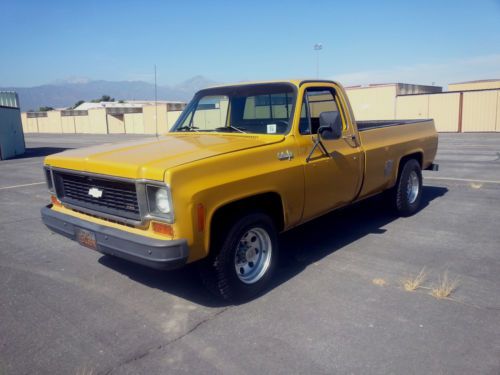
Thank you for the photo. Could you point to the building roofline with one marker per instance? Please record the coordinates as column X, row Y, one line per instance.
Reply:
column 451, row 92
column 476, row 81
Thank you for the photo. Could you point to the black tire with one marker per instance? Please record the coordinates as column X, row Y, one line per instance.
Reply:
column 218, row 270
column 407, row 204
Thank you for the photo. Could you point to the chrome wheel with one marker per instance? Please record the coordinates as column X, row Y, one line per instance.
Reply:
column 253, row 255
column 412, row 187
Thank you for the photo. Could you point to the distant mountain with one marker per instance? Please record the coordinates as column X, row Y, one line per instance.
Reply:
column 63, row 94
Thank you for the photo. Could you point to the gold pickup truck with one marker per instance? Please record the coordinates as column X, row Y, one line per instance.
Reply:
column 243, row 163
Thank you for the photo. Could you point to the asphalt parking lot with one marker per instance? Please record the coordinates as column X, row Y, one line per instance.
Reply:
column 336, row 306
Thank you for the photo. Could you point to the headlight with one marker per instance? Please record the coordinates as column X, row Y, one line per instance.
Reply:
column 159, row 201
column 162, row 203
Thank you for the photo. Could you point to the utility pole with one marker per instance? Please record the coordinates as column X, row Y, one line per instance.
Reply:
column 156, row 105
column 317, row 47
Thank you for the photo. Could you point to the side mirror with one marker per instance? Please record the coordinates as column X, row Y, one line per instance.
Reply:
column 330, row 125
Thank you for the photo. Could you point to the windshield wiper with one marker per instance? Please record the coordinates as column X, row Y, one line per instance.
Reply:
column 187, row 128
column 225, row 128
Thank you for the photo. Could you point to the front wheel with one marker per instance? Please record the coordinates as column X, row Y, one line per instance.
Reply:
column 243, row 259
column 407, row 193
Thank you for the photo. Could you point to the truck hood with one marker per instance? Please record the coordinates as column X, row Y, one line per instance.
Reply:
column 149, row 158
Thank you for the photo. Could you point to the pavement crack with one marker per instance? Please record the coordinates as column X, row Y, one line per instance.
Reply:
column 157, row 348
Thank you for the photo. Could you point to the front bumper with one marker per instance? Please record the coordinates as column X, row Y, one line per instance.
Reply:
column 150, row 252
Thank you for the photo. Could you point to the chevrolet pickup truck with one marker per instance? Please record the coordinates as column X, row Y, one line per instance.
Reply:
column 242, row 164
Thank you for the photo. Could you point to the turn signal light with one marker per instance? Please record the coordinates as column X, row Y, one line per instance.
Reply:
column 200, row 212
column 55, row 201
column 163, row 228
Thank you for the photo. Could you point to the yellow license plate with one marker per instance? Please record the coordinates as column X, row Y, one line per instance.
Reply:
column 86, row 238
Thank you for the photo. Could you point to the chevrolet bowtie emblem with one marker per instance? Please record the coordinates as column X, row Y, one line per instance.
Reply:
column 95, row 192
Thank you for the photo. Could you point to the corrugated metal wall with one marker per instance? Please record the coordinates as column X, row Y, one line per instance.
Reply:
column 11, row 132
column 412, row 107
column 480, row 111
column 498, row 112
column 68, row 124
column 9, row 99
column 149, row 118
column 134, row 123
column 370, row 103
column 444, row 109
column 98, row 121
column 116, row 124
column 477, row 85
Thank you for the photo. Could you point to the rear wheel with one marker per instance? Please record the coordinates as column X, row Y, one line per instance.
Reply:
column 242, row 259
column 407, row 193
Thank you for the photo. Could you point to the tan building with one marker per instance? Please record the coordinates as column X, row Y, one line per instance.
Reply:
column 378, row 101
column 474, row 108
column 485, row 84
column 468, row 107
column 444, row 108
column 135, row 117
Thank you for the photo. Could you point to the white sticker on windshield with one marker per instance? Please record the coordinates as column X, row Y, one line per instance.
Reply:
column 271, row 128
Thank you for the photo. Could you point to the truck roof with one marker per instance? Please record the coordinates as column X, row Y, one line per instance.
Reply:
column 296, row 82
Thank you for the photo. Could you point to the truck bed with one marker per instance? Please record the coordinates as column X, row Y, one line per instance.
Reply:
column 375, row 124
column 384, row 142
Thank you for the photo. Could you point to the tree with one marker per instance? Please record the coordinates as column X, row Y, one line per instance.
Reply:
column 103, row 98
column 77, row 104
column 45, row 109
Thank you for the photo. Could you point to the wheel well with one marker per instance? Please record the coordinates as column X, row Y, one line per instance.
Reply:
column 269, row 203
column 418, row 156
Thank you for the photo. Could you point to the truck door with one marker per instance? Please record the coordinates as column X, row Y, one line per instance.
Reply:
column 331, row 180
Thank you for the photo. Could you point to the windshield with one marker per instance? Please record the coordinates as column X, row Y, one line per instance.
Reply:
column 256, row 109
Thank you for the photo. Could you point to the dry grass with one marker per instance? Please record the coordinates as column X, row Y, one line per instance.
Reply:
column 85, row 371
column 379, row 282
column 414, row 282
column 445, row 287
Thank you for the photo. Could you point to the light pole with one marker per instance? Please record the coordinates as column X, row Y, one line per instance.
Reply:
column 156, row 105
column 317, row 47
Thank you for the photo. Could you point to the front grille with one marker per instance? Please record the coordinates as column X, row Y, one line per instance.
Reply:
column 119, row 198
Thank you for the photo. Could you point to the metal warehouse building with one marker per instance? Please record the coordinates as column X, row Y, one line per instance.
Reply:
column 466, row 107
column 132, row 117
column 11, row 131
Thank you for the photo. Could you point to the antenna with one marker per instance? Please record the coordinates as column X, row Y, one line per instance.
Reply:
column 156, row 105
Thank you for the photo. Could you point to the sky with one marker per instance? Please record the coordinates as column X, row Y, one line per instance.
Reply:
column 363, row 42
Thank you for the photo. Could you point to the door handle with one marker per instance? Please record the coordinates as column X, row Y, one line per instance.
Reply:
column 285, row 155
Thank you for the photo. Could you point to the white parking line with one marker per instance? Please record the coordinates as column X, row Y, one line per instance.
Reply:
column 23, row 185
column 462, row 180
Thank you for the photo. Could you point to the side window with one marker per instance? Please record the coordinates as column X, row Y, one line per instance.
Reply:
column 319, row 100
column 304, row 125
